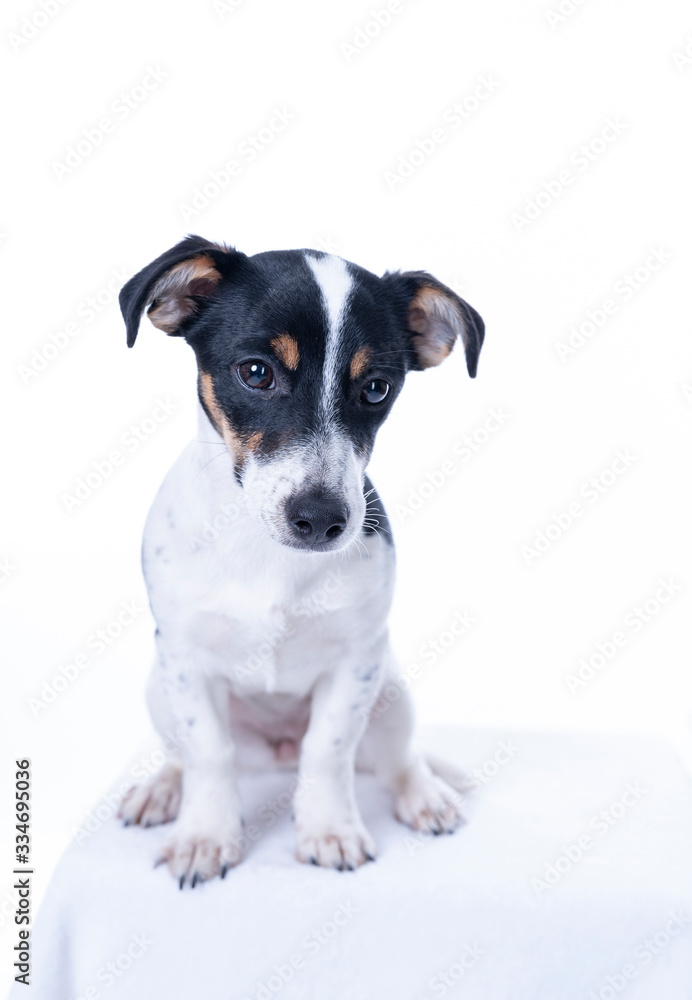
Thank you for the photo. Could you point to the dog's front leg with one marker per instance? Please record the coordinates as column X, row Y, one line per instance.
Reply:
column 207, row 835
column 329, row 828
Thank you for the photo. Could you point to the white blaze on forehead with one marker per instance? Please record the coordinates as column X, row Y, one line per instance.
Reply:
column 335, row 283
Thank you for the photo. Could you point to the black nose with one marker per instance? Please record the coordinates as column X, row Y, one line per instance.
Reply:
column 317, row 519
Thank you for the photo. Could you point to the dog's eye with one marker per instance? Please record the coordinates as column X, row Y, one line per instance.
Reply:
column 374, row 391
column 256, row 375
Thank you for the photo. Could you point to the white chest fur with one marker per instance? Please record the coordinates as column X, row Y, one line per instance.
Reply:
column 267, row 618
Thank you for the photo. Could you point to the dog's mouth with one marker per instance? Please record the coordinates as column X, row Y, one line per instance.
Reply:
column 331, row 545
column 309, row 499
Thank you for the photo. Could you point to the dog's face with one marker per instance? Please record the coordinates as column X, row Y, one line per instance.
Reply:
column 300, row 355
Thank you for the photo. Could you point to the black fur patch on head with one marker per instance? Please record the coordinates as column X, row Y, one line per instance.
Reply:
column 234, row 310
column 272, row 302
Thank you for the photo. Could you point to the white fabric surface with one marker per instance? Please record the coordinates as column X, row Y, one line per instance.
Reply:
column 423, row 910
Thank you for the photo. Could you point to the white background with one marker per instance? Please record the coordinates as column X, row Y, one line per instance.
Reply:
column 321, row 182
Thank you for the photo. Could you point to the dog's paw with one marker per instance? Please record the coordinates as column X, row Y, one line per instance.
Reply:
column 428, row 804
column 196, row 854
column 344, row 846
column 155, row 801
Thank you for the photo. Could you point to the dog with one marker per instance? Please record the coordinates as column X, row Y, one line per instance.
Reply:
column 271, row 631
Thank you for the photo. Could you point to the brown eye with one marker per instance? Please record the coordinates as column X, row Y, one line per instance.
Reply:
column 374, row 391
column 256, row 375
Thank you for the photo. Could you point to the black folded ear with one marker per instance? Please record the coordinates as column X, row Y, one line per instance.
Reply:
column 436, row 316
column 175, row 285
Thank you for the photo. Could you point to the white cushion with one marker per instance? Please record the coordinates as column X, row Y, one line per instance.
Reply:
column 482, row 906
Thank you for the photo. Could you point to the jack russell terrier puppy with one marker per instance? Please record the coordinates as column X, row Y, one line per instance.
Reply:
column 301, row 355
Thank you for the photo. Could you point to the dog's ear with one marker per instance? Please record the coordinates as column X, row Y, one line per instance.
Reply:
column 175, row 286
column 435, row 317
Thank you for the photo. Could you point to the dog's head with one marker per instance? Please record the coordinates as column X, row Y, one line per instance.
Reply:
column 300, row 355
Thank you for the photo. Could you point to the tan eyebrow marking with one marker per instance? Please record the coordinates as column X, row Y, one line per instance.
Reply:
column 359, row 361
column 286, row 350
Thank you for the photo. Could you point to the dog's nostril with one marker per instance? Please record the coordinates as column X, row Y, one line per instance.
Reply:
column 334, row 531
column 304, row 527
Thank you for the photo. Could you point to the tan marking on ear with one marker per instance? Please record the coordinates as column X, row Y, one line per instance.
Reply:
column 169, row 302
column 218, row 417
column 286, row 349
column 360, row 361
column 436, row 321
